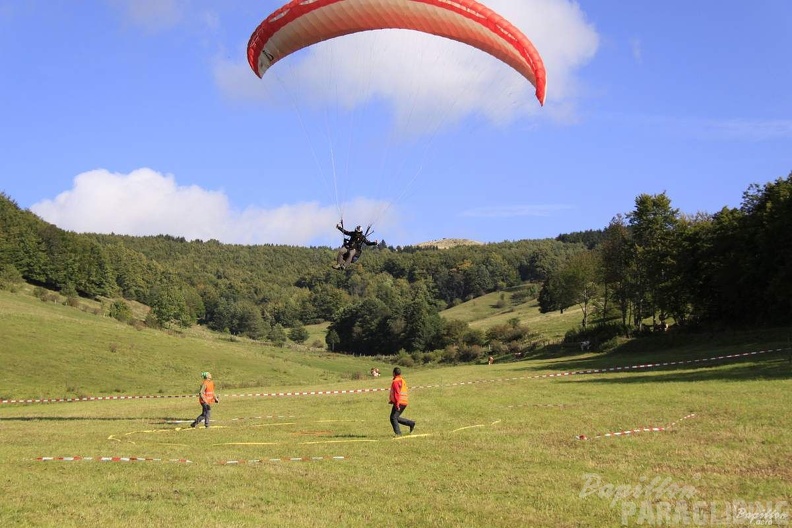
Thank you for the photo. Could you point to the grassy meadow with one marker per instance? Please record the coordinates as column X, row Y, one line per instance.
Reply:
column 484, row 312
column 494, row 445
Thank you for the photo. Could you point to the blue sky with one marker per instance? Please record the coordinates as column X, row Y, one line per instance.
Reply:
column 143, row 117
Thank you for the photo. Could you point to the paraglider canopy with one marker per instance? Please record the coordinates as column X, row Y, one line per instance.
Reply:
column 302, row 23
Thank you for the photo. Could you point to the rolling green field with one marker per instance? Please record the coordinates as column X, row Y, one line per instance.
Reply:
column 495, row 445
column 483, row 312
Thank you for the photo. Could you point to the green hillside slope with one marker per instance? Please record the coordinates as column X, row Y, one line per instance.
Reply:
column 49, row 350
column 499, row 307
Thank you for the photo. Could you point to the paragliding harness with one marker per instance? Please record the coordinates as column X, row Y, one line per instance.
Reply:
column 354, row 258
column 348, row 245
column 355, row 243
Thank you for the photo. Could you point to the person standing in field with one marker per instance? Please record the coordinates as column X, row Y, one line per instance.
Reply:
column 399, row 397
column 206, row 397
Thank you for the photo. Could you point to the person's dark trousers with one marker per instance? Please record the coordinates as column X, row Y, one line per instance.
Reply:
column 206, row 410
column 350, row 256
column 396, row 419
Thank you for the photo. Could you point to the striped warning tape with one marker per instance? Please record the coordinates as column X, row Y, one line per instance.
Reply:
column 96, row 398
column 462, row 383
column 111, row 459
column 184, row 460
column 638, row 430
column 241, row 419
column 161, row 396
column 544, row 405
column 270, row 417
column 292, row 459
column 620, row 369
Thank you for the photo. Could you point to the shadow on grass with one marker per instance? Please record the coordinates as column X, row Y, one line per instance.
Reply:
column 68, row 419
column 774, row 363
column 697, row 354
column 153, row 421
column 772, row 369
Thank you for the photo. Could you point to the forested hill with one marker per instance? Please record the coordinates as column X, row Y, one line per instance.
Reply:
column 250, row 289
column 481, row 268
column 732, row 267
column 278, row 265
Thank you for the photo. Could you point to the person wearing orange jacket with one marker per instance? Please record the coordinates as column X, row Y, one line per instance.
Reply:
column 399, row 398
column 206, row 397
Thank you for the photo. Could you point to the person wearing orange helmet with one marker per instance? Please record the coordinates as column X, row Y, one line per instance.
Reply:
column 206, row 397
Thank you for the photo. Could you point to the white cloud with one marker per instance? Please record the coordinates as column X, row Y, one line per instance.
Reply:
column 511, row 211
column 747, row 129
column 153, row 15
column 637, row 50
column 425, row 78
column 145, row 202
column 723, row 129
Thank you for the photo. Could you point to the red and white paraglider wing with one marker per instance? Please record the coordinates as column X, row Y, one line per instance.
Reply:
column 302, row 23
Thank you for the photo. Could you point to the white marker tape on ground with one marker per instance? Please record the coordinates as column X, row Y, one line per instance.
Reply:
column 362, row 391
column 553, row 405
column 111, row 459
column 247, row 443
column 350, row 441
column 156, row 397
column 633, row 431
column 292, row 459
column 625, row 368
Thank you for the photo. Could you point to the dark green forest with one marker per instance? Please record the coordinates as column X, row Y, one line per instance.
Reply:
column 651, row 267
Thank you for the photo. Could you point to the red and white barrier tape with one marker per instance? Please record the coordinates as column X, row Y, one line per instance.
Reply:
column 544, row 405
column 306, row 393
column 184, row 460
column 633, row 431
column 624, row 369
column 292, row 459
column 111, row 459
column 94, row 398
column 362, row 391
column 271, row 417
column 155, row 397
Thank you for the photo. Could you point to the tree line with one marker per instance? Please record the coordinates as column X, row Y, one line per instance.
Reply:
column 389, row 302
column 658, row 266
column 652, row 264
